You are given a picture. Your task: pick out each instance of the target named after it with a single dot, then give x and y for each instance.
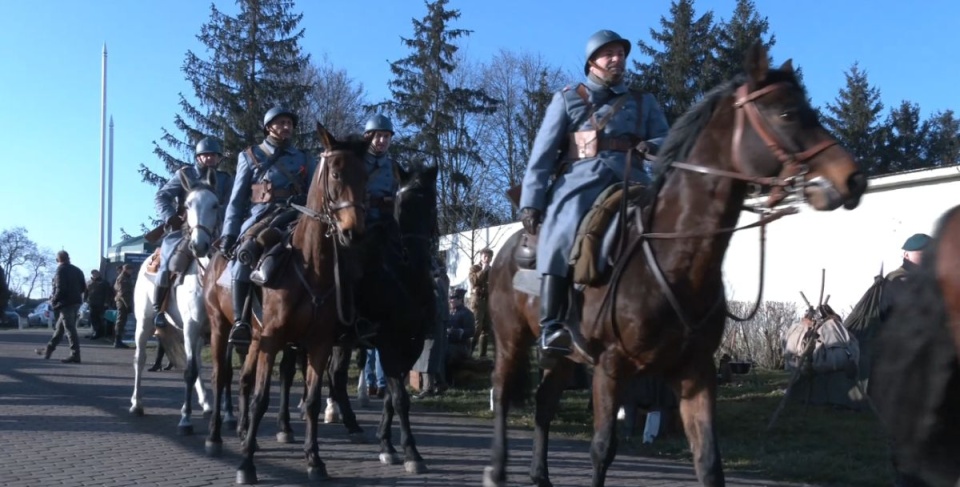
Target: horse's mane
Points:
(684, 132)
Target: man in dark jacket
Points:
(68, 289)
(97, 297)
(895, 283)
(460, 330)
(123, 294)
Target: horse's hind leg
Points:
(388, 454)
(288, 368)
(412, 461)
(247, 375)
(548, 401)
(606, 394)
(265, 358)
(318, 356)
(337, 371)
(143, 333)
(220, 381)
(697, 387)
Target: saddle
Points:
(591, 255)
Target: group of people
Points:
(71, 290)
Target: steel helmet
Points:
(208, 145)
(379, 122)
(276, 112)
(600, 39)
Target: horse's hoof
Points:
(390, 459)
(136, 410)
(317, 473)
(213, 449)
(247, 477)
(185, 430)
(230, 424)
(415, 466)
(284, 437)
(358, 437)
(488, 480)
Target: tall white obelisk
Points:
(103, 146)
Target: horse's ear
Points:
(185, 181)
(326, 138)
(787, 66)
(212, 178)
(756, 63)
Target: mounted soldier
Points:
(381, 246)
(174, 256)
(269, 177)
(580, 150)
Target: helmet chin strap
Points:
(607, 78)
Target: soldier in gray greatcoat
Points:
(381, 243)
(268, 176)
(169, 203)
(583, 142)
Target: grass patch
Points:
(811, 444)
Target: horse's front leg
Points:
(191, 376)
(317, 357)
(388, 454)
(220, 381)
(144, 332)
(606, 393)
(265, 358)
(247, 374)
(339, 366)
(697, 386)
(412, 461)
(288, 368)
(548, 401)
(511, 360)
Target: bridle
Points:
(329, 207)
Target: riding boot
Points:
(118, 336)
(241, 333)
(157, 363)
(555, 339)
(159, 293)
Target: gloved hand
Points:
(530, 217)
(226, 244)
(297, 199)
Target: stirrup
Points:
(240, 334)
(556, 342)
(160, 319)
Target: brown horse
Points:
(915, 383)
(303, 307)
(663, 312)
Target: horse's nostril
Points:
(857, 183)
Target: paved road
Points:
(67, 424)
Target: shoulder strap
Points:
(294, 181)
(617, 105)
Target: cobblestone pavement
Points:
(68, 424)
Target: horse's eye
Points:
(788, 115)
(335, 176)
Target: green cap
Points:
(917, 241)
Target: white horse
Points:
(185, 308)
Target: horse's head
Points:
(777, 133)
(416, 201)
(203, 210)
(339, 186)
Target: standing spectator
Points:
(68, 288)
(459, 330)
(431, 364)
(4, 290)
(123, 292)
(479, 279)
(97, 295)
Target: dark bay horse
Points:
(304, 306)
(662, 308)
(915, 383)
(400, 338)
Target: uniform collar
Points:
(617, 89)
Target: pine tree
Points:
(854, 119)
(435, 114)
(905, 139)
(735, 36)
(943, 139)
(675, 74)
(255, 62)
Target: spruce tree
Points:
(254, 62)
(904, 139)
(943, 139)
(675, 73)
(432, 110)
(735, 36)
(854, 118)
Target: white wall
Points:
(850, 245)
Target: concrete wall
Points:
(850, 245)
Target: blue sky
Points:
(51, 63)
